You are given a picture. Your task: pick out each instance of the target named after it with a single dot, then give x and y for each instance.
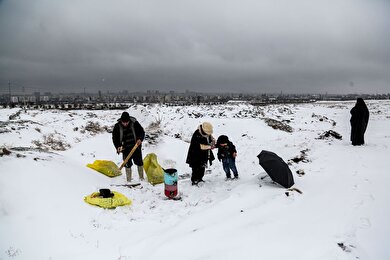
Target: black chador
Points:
(359, 122)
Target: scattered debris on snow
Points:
(329, 134)
(275, 124)
(4, 151)
(345, 248)
(324, 119)
(300, 158)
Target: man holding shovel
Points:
(126, 134)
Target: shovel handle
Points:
(128, 157)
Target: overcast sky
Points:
(299, 46)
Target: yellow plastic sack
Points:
(108, 203)
(108, 168)
(153, 170)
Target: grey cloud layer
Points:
(270, 46)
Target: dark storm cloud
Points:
(267, 46)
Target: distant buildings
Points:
(115, 99)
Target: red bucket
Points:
(170, 191)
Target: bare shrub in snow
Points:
(91, 115)
(94, 128)
(3, 128)
(153, 131)
(252, 112)
(16, 125)
(285, 110)
(195, 115)
(13, 252)
(51, 142)
(153, 136)
(156, 123)
(14, 116)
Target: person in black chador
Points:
(227, 153)
(126, 133)
(200, 152)
(359, 121)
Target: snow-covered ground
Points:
(342, 213)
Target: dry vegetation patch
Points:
(51, 142)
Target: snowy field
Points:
(342, 213)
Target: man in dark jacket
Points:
(359, 121)
(199, 152)
(126, 133)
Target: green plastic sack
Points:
(108, 203)
(108, 168)
(153, 170)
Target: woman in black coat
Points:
(359, 121)
(199, 152)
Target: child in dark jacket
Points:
(227, 153)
